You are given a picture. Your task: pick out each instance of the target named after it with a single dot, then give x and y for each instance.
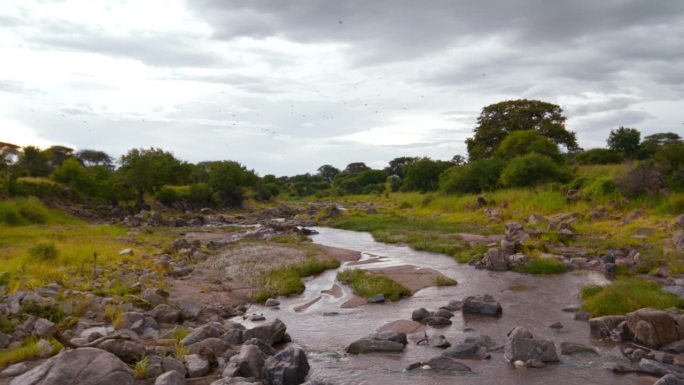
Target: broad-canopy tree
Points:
(227, 180)
(423, 175)
(652, 143)
(524, 142)
(397, 165)
(356, 167)
(94, 158)
(146, 170)
(56, 155)
(34, 162)
(328, 172)
(498, 120)
(625, 140)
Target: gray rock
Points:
(45, 348)
(216, 345)
(199, 256)
(289, 367)
(659, 369)
(582, 315)
(568, 348)
(235, 381)
(83, 366)
(670, 379)
(380, 298)
(264, 346)
(389, 341)
(439, 342)
(446, 364)
(4, 340)
(469, 350)
(154, 296)
(436, 321)
(196, 365)
(272, 302)
(674, 289)
(126, 252)
(128, 351)
(483, 305)
(523, 346)
(189, 309)
(210, 330)
(14, 370)
(170, 363)
(454, 305)
(556, 325)
(233, 336)
(420, 314)
(170, 378)
(44, 328)
(271, 332)
(164, 313)
(601, 327)
(443, 313)
(653, 327)
(249, 363)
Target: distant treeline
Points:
(516, 143)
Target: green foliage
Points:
(328, 172)
(599, 156)
(25, 211)
(141, 368)
(541, 266)
(397, 166)
(367, 284)
(473, 177)
(498, 120)
(625, 295)
(652, 143)
(643, 179)
(29, 350)
(445, 281)
(625, 140)
(362, 182)
(149, 169)
(43, 251)
(227, 180)
(520, 143)
(33, 162)
(35, 187)
(356, 167)
(50, 312)
(288, 280)
(533, 169)
(166, 195)
(423, 175)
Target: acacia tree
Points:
(356, 167)
(625, 140)
(94, 158)
(498, 120)
(227, 180)
(146, 170)
(397, 165)
(328, 172)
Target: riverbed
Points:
(532, 301)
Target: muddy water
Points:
(534, 302)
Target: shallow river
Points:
(534, 302)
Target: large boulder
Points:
(388, 342)
(483, 305)
(171, 377)
(164, 314)
(270, 332)
(496, 259)
(442, 363)
(128, 351)
(84, 366)
(670, 379)
(653, 327)
(196, 365)
(289, 367)
(249, 363)
(470, 349)
(523, 346)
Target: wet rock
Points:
(454, 305)
(556, 325)
(14, 370)
(659, 369)
(127, 351)
(170, 378)
(482, 305)
(380, 298)
(289, 367)
(670, 379)
(164, 314)
(653, 327)
(420, 314)
(249, 363)
(210, 330)
(443, 313)
(601, 327)
(380, 342)
(582, 315)
(523, 346)
(233, 336)
(467, 350)
(272, 332)
(496, 260)
(84, 366)
(436, 321)
(272, 302)
(439, 342)
(196, 365)
(569, 348)
(442, 363)
(674, 347)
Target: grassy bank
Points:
(288, 279)
(626, 295)
(367, 284)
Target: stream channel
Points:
(531, 301)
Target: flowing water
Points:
(534, 302)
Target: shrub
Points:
(599, 156)
(37, 187)
(43, 251)
(521, 143)
(474, 177)
(166, 195)
(643, 179)
(533, 169)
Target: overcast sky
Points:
(286, 86)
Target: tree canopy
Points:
(625, 140)
(498, 120)
(149, 169)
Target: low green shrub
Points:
(43, 251)
(367, 284)
(625, 295)
(541, 266)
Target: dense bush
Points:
(473, 177)
(599, 156)
(643, 179)
(520, 143)
(363, 182)
(533, 169)
(423, 175)
(43, 252)
(37, 187)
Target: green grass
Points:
(26, 211)
(367, 284)
(29, 350)
(626, 295)
(541, 266)
(445, 281)
(288, 279)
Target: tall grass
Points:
(26, 211)
(626, 295)
(287, 280)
